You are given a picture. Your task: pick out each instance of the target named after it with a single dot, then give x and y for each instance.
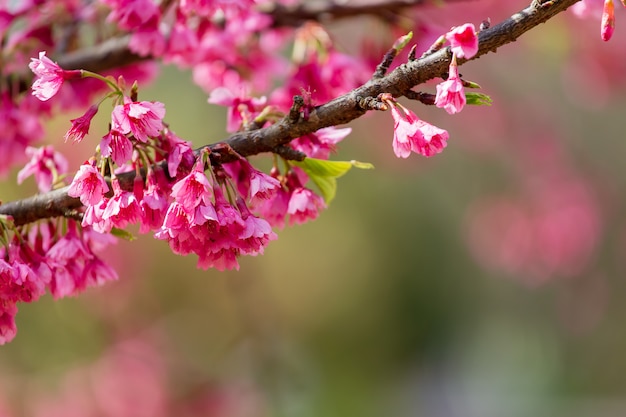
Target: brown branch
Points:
(336, 112)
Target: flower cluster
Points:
(412, 134)
(59, 257)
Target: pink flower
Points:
(241, 109)
(405, 130)
(45, 164)
(607, 26)
(251, 183)
(154, 203)
(116, 145)
(142, 119)
(80, 125)
(8, 329)
(193, 189)
(431, 140)
(451, 93)
(463, 41)
(88, 185)
(412, 134)
(304, 205)
(50, 76)
(123, 208)
(321, 143)
(180, 156)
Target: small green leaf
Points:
(325, 173)
(123, 234)
(478, 99)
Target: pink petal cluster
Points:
(45, 164)
(463, 41)
(143, 119)
(241, 109)
(414, 135)
(50, 76)
(451, 93)
(88, 185)
(203, 221)
(80, 125)
(46, 258)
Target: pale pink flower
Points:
(116, 145)
(80, 125)
(45, 164)
(88, 185)
(143, 119)
(431, 140)
(241, 109)
(463, 41)
(50, 76)
(412, 134)
(451, 93)
(405, 130)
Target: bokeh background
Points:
(487, 281)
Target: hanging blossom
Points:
(50, 76)
(410, 134)
(463, 41)
(143, 119)
(606, 11)
(43, 257)
(45, 165)
(451, 93)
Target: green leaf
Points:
(325, 173)
(478, 99)
(123, 234)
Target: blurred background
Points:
(486, 281)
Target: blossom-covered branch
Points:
(339, 111)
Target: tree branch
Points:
(336, 112)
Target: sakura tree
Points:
(289, 87)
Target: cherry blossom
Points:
(463, 41)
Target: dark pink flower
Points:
(50, 76)
(463, 41)
(321, 143)
(607, 26)
(8, 329)
(451, 93)
(123, 208)
(88, 185)
(116, 145)
(45, 164)
(142, 119)
(193, 189)
(251, 183)
(154, 203)
(304, 205)
(180, 156)
(80, 125)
